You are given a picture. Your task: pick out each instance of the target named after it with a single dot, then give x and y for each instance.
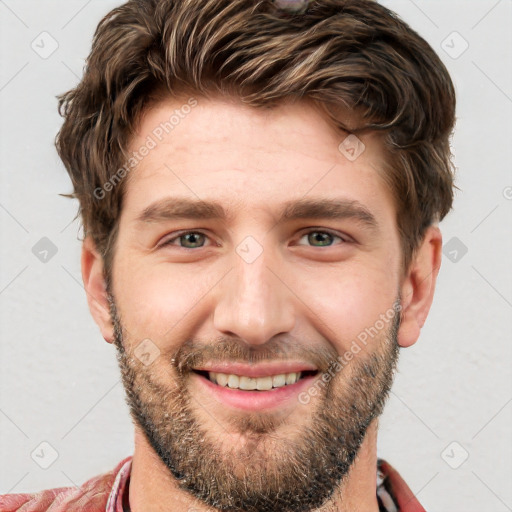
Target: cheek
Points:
(348, 301)
(159, 302)
(165, 302)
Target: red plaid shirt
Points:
(109, 493)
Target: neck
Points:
(154, 489)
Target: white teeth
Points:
(220, 378)
(279, 381)
(251, 384)
(264, 383)
(233, 381)
(291, 378)
(247, 383)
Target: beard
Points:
(258, 469)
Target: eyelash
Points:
(169, 242)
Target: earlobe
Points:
(418, 286)
(95, 288)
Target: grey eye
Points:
(320, 238)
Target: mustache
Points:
(193, 353)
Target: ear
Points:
(96, 289)
(417, 290)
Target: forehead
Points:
(249, 159)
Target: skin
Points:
(298, 295)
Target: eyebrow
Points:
(313, 208)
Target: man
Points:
(260, 186)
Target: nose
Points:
(254, 302)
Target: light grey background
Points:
(59, 381)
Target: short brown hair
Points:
(353, 54)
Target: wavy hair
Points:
(353, 54)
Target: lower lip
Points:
(255, 400)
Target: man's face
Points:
(268, 294)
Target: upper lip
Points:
(257, 369)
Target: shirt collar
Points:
(115, 499)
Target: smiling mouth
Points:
(244, 383)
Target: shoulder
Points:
(92, 496)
